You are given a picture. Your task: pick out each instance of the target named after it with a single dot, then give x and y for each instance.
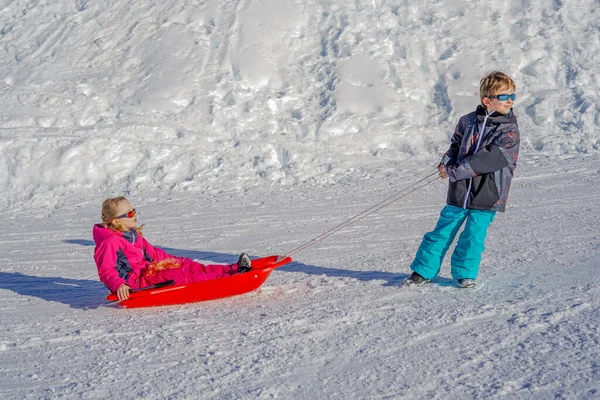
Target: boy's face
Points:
(503, 107)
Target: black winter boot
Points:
(244, 263)
(415, 280)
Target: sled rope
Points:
(382, 204)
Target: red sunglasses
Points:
(128, 214)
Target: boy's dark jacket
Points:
(480, 169)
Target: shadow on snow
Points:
(76, 293)
(86, 294)
(392, 279)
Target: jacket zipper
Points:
(476, 150)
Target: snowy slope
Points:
(194, 96)
(333, 324)
(258, 125)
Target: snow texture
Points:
(257, 125)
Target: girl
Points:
(126, 260)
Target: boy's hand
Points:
(443, 172)
(123, 292)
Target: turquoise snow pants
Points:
(467, 254)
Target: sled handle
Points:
(158, 285)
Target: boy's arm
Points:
(493, 157)
(450, 157)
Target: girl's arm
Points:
(106, 257)
(155, 253)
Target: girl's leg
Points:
(467, 254)
(199, 272)
(435, 244)
(192, 271)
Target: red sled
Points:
(164, 295)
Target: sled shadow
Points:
(391, 278)
(76, 293)
(208, 256)
(213, 257)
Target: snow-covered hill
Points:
(258, 125)
(150, 96)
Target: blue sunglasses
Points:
(504, 97)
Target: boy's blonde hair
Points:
(494, 81)
(109, 215)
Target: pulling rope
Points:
(382, 204)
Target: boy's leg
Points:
(435, 244)
(467, 254)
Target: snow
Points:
(259, 125)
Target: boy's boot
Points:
(467, 283)
(244, 263)
(415, 280)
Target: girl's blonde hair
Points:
(494, 81)
(109, 215)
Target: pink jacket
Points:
(122, 257)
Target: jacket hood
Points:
(101, 233)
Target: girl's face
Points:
(123, 208)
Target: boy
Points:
(480, 164)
